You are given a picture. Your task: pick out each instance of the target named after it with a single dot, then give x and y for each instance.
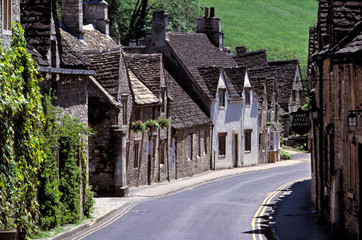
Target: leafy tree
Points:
(132, 18)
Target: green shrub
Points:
(284, 155)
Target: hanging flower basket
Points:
(138, 126)
(152, 126)
(163, 122)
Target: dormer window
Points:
(247, 96)
(6, 16)
(222, 97)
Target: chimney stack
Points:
(206, 12)
(72, 16)
(96, 13)
(240, 50)
(159, 28)
(211, 26)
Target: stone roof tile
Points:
(194, 50)
(142, 95)
(148, 68)
(185, 113)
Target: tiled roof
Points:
(142, 95)
(107, 66)
(237, 76)
(35, 19)
(185, 113)
(352, 42)
(137, 49)
(284, 77)
(194, 50)
(148, 68)
(92, 40)
(210, 76)
(254, 59)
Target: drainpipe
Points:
(212, 152)
(120, 174)
(321, 198)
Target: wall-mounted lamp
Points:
(352, 118)
(315, 113)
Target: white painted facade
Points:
(227, 121)
(250, 123)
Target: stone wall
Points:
(101, 151)
(6, 37)
(186, 167)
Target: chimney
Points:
(159, 28)
(132, 43)
(118, 39)
(240, 50)
(211, 26)
(96, 13)
(72, 16)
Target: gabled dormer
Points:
(222, 94)
(247, 90)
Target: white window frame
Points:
(6, 8)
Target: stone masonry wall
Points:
(197, 164)
(6, 38)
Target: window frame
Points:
(247, 144)
(247, 96)
(6, 17)
(222, 97)
(222, 144)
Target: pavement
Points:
(105, 206)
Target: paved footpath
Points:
(104, 206)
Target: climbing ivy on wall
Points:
(43, 166)
(21, 119)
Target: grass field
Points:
(279, 26)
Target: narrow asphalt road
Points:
(220, 210)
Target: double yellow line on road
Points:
(255, 223)
(106, 223)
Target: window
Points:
(190, 146)
(6, 14)
(222, 144)
(222, 97)
(137, 113)
(124, 110)
(205, 141)
(127, 154)
(247, 96)
(136, 148)
(248, 140)
(198, 144)
(163, 152)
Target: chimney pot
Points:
(118, 39)
(240, 50)
(212, 12)
(206, 12)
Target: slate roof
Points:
(352, 43)
(259, 77)
(107, 66)
(254, 59)
(142, 94)
(210, 76)
(284, 77)
(148, 68)
(137, 49)
(92, 40)
(185, 113)
(194, 50)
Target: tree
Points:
(132, 18)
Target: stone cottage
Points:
(199, 64)
(335, 74)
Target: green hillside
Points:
(279, 26)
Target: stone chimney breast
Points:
(72, 16)
(96, 13)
